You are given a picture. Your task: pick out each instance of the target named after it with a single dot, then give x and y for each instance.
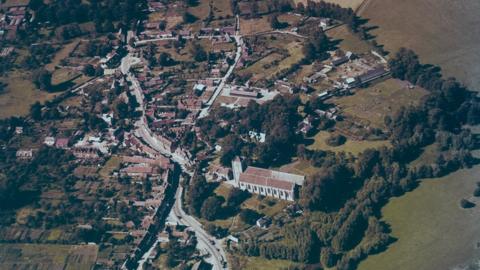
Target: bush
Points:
(464, 203)
(476, 193)
(336, 140)
(249, 216)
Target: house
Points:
(325, 23)
(86, 153)
(243, 92)
(373, 74)
(258, 136)
(266, 182)
(350, 83)
(62, 143)
(23, 154)
(199, 87)
(50, 141)
(139, 171)
(263, 222)
(19, 130)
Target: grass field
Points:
(47, 257)
(62, 54)
(258, 263)
(432, 231)
(351, 146)
(20, 94)
(64, 75)
(442, 32)
(373, 103)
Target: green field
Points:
(350, 146)
(258, 263)
(20, 94)
(47, 257)
(432, 231)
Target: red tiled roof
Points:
(269, 178)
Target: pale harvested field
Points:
(253, 26)
(442, 32)
(348, 40)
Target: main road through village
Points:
(206, 243)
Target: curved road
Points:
(208, 243)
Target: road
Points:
(205, 241)
(239, 41)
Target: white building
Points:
(266, 182)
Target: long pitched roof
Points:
(270, 178)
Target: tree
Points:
(249, 216)
(89, 70)
(211, 208)
(274, 23)
(317, 46)
(36, 111)
(464, 203)
(198, 52)
(189, 18)
(165, 59)
(42, 78)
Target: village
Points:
(131, 124)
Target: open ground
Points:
(442, 32)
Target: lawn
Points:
(373, 103)
(433, 232)
(47, 257)
(350, 146)
(20, 94)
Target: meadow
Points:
(432, 231)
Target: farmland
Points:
(51, 257)
(432, 231)
(442, 32)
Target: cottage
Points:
(263, 222)
(62, 143)
(199, 87)
(23, 154)
(50, 141)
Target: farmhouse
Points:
(24, 154)
(266, 182)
